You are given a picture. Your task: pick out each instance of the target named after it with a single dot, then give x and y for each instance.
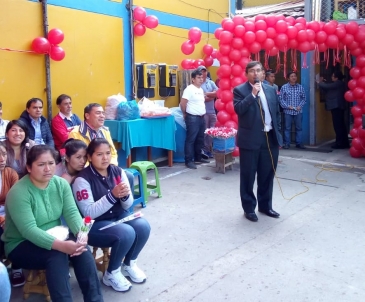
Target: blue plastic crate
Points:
(221, 145)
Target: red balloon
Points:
(150, 21)
(236, 152)
(41, 45)
(290, 20)
(360, 61)
(358, 93)
(292, 32)
(354, 132)
(302, 36)
(217, 32)
(311, 35)
(355, 153)
(360, 36)
(234, 118)
(231, 124)
(235, 55)
(358, 122)
(356, 143)
(355, 72)
(218, 124)
(55, 36)
(237, 43)
(271, 20)
(243, 62)
(199, 62)
(224, 60)
(313, 25)
(219, 105)
(293, 44)
(301, 20)
(245, 52)
(299, 26)
(268, 44)
(226, 96)
(139, 29)
(250, 26)
(187, 47)
(353, 45)
(261, 36)
(57, 53)
(237, 70)
(332, 41)
(281, 40)
(361, 133)
(340, 32)
(362, 71)
(195, 34)
(349, 96)
(255, 47)
(352, 27)
(249, 37)
(208, 61)
(239, 31)
(360, 82)
(356, 111)
(225, 20)
(329, 28)
(225, 49)
(139, 13)
(271, 33)
(237, 81)
(224, 71)
(304, 47)
(228, 25)
(321, 37)
(187, 64)
(229, 107)
(223, 117)
(281, 26)
(238, 20)
(348, 39)
(214, 54)
(260, 25)
(225, 83)
(260, 17)
(225, 37)
(208, 49)
(273, 51)
(356, 52)
(352, 84)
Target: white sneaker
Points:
(134, 272)
(117, 281)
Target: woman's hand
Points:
(69, 247)
(121, 190)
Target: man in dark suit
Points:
(259, 138)
(335, 102)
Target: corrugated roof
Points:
(293, 8)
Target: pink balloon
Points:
(187, 47)
(226, 96)
(139, 13)
(250, 26)
(237, 81)
(237, 70)
(239, 31)
(41, 45)
(229, 25)
(352, 27)
(224, 71)
(292, 32)
(237, 43)
(261, 36)
(219, 105)
(355, 72)
(199, 62)
(238, 20)
(260, 25)
(195, 34)
(231, 124)
(229, 107)
(187, 64)
(57, 53)
(281, 26)
(225, 37)
(207, 49)
(271, 33)
(217, 32)
(208, 61)
(235, 55)
(249, 37)
(55, 36)
(150, 21)
(332, 41)
(268, 44)
(255, 47)
(139, 29)
(360, 61)
(321, 37)
(223, 116)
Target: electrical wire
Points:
(203, 8)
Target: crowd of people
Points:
(54, 176)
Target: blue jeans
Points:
(30, 256)
(4, 283)
(194, 142)
(125, 239)
(298, 128)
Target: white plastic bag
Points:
(112, 103)
(149, 108)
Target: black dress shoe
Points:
(270, 213)
(251, 216)
(300, 146)
(335, 146)
(286, 146)
(190, 165)
(202, 161)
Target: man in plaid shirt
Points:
(292, 100)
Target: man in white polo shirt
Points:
(192, 105)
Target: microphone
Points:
(255, 82)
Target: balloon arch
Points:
(241, 39)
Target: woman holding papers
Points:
(102, 192)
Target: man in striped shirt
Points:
(292, 100)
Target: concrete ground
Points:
(202, 249)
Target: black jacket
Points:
(335, 94)
(250, 125)
(45, 129)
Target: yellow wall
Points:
(251, 3)
(91, 71)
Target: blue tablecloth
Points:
(156, 132)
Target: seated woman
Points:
(73, 160)
(33, 206)
(102, 192)
(17, 145)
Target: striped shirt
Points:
(292, 96)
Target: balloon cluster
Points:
(143, 21)
(357, 93)
(50, 45)
(239, 38)
(207, 61)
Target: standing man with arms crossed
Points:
(210, 117)
(258, 138)
(292, 100)
(192, 105)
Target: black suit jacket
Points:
(335, 94)
(250, 124)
